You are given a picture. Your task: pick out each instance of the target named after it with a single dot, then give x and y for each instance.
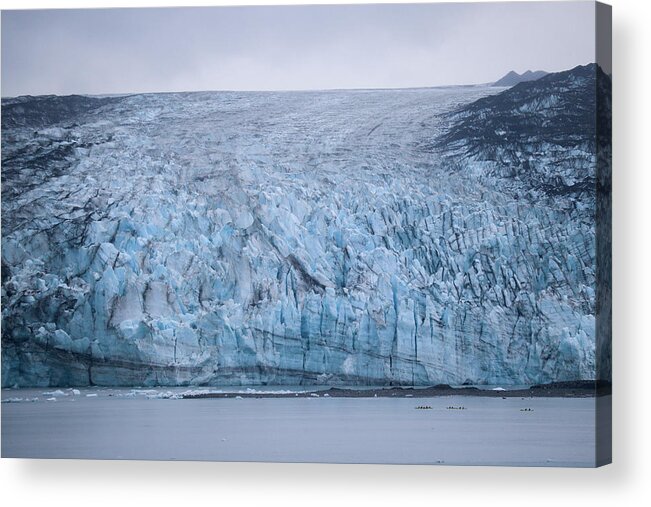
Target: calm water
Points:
(152, 424)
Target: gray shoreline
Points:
(571, 389)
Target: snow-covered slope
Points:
(282, 238)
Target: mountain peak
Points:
(513, 78)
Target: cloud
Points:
(293, 47)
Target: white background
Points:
(627, 481)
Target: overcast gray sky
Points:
(99, 51)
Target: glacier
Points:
(286, 238)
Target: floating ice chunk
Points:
(58, 392)
(12, 400)
(145, 392)
(166, 395)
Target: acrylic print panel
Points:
(357, 233)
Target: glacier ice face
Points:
(281, 238)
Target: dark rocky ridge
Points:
(541, 133)
(45, 110)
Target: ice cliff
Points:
(354, 237)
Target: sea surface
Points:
(156, 424)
